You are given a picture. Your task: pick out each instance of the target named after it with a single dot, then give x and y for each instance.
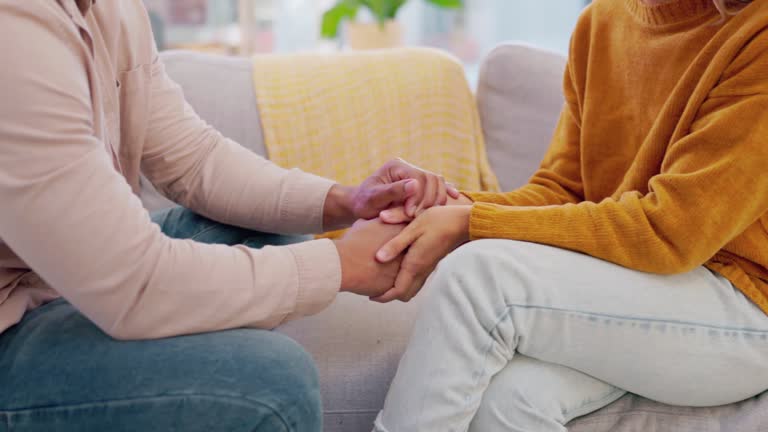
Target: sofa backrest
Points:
(519, 96)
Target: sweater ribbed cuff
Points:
(481, 222)
(319, 276)
(303, 203)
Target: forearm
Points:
(540, 191)
(195, 166)
(665, 234)
(238, 187)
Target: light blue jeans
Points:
(521, 337)
(59, 372)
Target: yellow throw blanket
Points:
(342, 116)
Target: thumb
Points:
(394, 193)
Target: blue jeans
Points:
(59, 372)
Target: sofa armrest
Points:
(519, 97)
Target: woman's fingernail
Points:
(382, 255)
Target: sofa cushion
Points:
(519, 96)
(357, 345)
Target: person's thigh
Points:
(181, 223)
(687, 339)
(59, 372)
(533, 395)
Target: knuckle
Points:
(412, 266)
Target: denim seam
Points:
(630, 318)
(203, 232)
(640, 411)
(8, 413)
(481, 371)
(506, 314)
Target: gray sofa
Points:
(356, 343)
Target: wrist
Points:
(338, 211)
(465, 212)
(461, 200)
(346, 274)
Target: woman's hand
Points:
(428, 239)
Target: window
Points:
(257, 26)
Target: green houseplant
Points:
(384, 11)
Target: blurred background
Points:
(247, 27)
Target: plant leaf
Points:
(448, 4)
(378, 9)
(393, 7)
(332, 18)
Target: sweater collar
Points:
(670, 11)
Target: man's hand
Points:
(428, 239)
(397, 183)
(360, 272)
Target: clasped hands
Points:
(408, 219)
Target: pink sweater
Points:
(85, 102)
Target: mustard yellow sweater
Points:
(659, 162)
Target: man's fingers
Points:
(397, 245)
(395, 216)
(393, 193)
(453, 192)
(415, 196)
(430, 194)
(442, 193)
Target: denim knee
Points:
(259, 381)
(237, 380)
(274, 371)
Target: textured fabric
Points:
(341, 117)
(584, 343)
(231, 381)
(658, 159)
(356, 344)
(86, 103)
